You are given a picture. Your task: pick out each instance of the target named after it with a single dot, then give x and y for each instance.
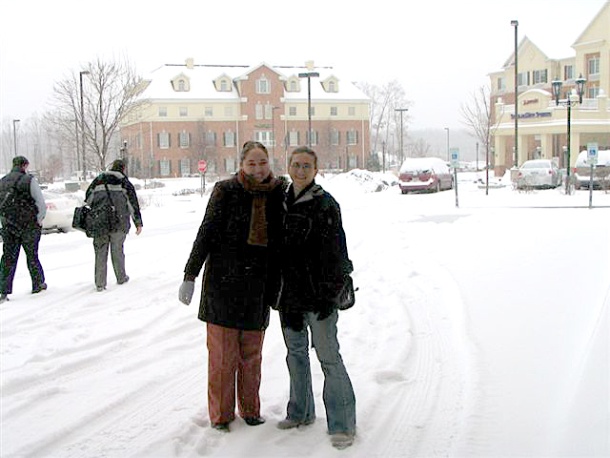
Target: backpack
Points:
(8, 198)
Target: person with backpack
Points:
(22, 209)
(113, 201)
(315, 270)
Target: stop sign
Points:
(202, 166)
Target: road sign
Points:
(202, 166)
(455, 157)
(592, 155)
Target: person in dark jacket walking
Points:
(313, 272)
(237, 240)
(113, 188)
(21, 226)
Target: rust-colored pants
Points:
(233, 352)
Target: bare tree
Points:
(110, 91)
(477, 116)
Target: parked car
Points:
(424, 174)
(538, 173)
(60, 210)
(601, 171)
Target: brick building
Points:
(206, 112)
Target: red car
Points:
(424, 174)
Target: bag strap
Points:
(108, 193)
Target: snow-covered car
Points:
(424, 174)
(538, 173)
(60, 211)
(601, 171)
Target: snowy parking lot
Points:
(478, 331)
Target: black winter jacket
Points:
(23, 216)
(122, 196)
(315, 258)
(240, 281)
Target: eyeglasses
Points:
(297, 166)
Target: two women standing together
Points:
(266, 246)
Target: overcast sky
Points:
(439, 50)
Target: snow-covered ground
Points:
(480, 330)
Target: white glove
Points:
(185, 294)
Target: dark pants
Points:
(114, 241)
(12, 243)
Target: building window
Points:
(258, 111)
(593, 66)
(540, 76)
(592, 92)
(184, 138)
(293, 86)
(333, 111)
(312, 111)
(230, 165)
(292, 111)
(501, 84)
(523, 79)
(210, 138)
(264, 137)
(181, 86)
(162, 112)
(568, 72)
(332, 87)
(293, 138)
(263, 86)
(184, 111)
(165, 167)
(163, 140)
(229, 138)
(224, 86)
(351, 111)
(185, 166)
(352, 137)
(208, 112)
(314, 137)
(334, 137)
(268, 111)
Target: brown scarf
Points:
(258, 220)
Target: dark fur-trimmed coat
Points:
(240, 281)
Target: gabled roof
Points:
(602, 16)
(521, 48)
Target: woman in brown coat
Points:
(237, 241)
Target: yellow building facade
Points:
(542, 124)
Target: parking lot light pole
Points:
(15, 121)
(515, 24)
(401, 110)
(571, 99)
(309, 75)
(82, 124)
(448, 154)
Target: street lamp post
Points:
(515, 24)
(571, 99)
(82, 123)
(401, 110)
(309, 75)
(448, 154)
(15, 121)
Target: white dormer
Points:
(181, 83)
(331, 84)
(223, 83)
(293, 84)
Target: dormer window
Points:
(331, 87)
(181, 83)
(331, 84)
(181, 86)
(263, 85)
(223, 86)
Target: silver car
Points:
(538, 173)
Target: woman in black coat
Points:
(237, 241)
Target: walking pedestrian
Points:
(237, 240)
(112, 190)
(23, 209)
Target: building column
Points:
(546, 146)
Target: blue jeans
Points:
(338, 394)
